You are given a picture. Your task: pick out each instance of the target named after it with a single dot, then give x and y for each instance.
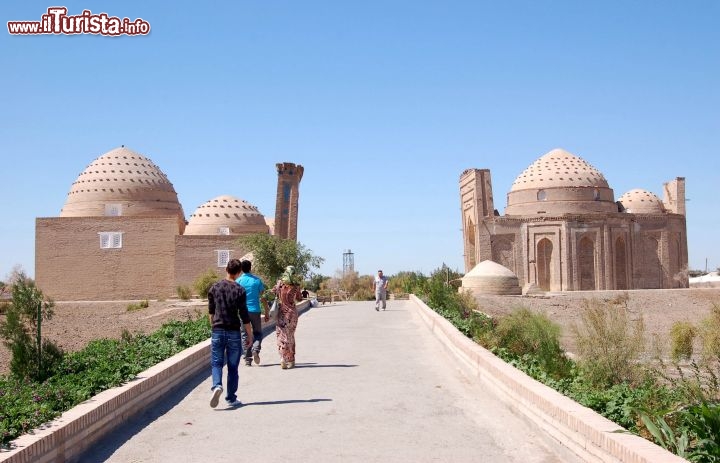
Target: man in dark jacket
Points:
(227, 311)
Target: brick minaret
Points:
(286, 202)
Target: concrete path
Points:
(368, 386)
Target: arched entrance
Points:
(586, 264)
(544, 263)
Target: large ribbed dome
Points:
(226, 215)
(560, 183)
(122, 182)
(558, 168)
(639, 201)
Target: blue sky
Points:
(385, 103)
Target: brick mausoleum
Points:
(122, 232)
(563, 230)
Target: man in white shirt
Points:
(380, 286)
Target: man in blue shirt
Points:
(254, 288)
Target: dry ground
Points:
(660, 308)
(76, 323)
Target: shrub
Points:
(204, 282)
(363, 294)
(526, 332)
(609, 343)
(32, 357)
(682, 335)
(144, 304)
(184, 292)
(4, 307)
(710, 334)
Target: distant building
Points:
(122, 232)
(563, 230)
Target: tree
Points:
(32, 357)
(271, 254)
(314, 281)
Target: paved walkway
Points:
(368, 387)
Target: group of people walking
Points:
(234, 306)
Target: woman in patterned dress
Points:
(288, 290)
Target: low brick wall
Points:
(75, 431)
(583, 431)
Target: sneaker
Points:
(248, 362)
(256, 357)
(216, 393)
(377, 308)
(291, 365)
(283, 365)
(234, 404)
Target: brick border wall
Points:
(583, 431)
(75, 431)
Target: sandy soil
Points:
(77, 323)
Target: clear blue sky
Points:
(385, 103)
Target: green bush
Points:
(682, 335)
(609, 343)
(102, 364)
(33, 357)
(204, 282)
(526, 332)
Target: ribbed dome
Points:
(226, 215)
(560, 183)
(558, 168)
(640, 201)
(122, 182)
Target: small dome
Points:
(122, 182)
(560, 183)
(489, 277)
(226, 215)
(639, 201)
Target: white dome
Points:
(489, 277)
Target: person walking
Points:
(227, 310)
(380, 284)
(288, 292)
(254, 288)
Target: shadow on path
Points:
(308, 365)
(104, 449)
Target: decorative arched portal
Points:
(620, 261)
(586, 264)
(543, 260)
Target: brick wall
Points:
(70, 265)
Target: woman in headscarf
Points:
(288, 292)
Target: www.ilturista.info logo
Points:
(57, 21)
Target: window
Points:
(223, 230)
(223, 257)
(113, 210)
(541, 195)
(110, 240)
